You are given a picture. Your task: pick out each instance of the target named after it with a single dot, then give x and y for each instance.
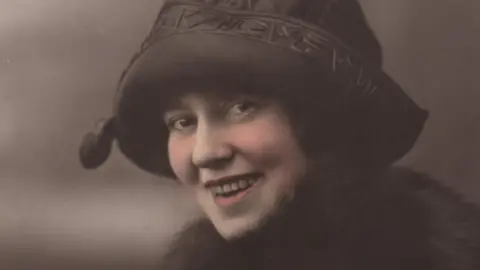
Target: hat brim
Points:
(197, 60)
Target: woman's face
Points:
(239, 156)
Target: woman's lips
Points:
(231, 200)
(233, 192)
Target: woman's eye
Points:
(243, 108)
(181, 123)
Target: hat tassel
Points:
(96, 146)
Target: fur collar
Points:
(395, 219)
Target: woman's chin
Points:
(231, 227)
(237, 227)
(246, 212)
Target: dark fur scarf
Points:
(392, 220)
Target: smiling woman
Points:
(279, 119)
(239, 156)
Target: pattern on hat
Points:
(343, 18)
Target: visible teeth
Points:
(243, 183)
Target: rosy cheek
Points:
(261, 136)
(179, 157)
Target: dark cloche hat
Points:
(284, 45)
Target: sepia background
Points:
(59, 64)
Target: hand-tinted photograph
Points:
(239, 134)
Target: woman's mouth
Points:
(232, 190)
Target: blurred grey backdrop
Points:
(59, 65)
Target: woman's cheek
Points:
(179, 154)
(262, 136)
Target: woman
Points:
(278, 117)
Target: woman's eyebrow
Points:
(172, 113)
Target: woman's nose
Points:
(211, 149)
